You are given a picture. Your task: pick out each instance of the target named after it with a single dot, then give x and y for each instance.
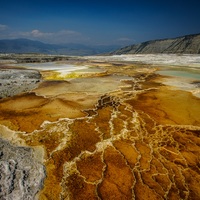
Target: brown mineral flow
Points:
(138, 142)
(116, 166)
(169, 106)
(27, 112)
(126, 165)
(91, 166)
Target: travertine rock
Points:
(16, 81)
(21, 175)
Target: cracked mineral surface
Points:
(122, 134)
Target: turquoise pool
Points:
(181, 72)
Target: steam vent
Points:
(113, 130)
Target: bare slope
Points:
(189, 44)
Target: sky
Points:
(98, 22)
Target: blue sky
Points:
(121, 22)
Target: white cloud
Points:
(63, 36)
(34, 34)
(39, 34)
(3, 27)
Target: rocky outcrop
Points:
(31, 58)
(16, 81)
(21, 175)
(189, 44)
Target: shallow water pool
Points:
(181, 72)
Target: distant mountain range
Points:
(189, 44)
(31, 46)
